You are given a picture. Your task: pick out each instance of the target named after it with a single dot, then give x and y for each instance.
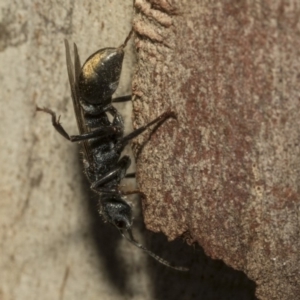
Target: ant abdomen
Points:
(100, 75)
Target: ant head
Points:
(117, 211)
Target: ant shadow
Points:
(207, 278)
(107, 242)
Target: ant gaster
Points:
(102, 140)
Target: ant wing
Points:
(73, 85)
(75, 97)
(76, 62)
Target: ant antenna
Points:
(127, 39)
(131, 240)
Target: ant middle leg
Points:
(160, 119)
(117, 173)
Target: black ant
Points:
(102, 140)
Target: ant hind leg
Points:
(55, 122)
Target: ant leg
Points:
(118, 119)
(130, 175)
(116, 129)
(117, 173)
(132, 192)
(122, 99)
(55, 122)
(162, 118)
(102, 131)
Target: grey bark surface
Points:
(227, 173)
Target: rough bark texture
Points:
(228, 171)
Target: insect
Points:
(102, 140)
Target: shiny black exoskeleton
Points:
(102, 140)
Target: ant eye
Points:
(121, 224)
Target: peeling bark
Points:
(227, 172)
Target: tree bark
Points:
(227, 171)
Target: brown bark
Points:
(228, 171)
